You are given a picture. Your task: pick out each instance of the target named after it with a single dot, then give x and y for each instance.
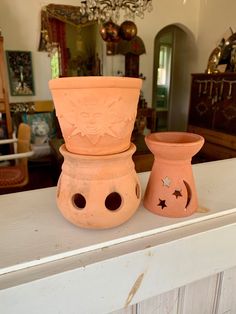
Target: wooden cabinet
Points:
(4, 102)
(212, 113)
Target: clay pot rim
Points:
(127, 152)
(174, 138)
(95, 82)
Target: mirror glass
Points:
(84, 49)
(74, 43)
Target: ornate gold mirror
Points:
(72, 41)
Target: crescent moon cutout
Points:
(189, 193)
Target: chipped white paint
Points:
(134, 289)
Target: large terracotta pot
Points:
(96, 114)
(98, 191)
(171, 189)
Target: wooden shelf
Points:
(46, 261)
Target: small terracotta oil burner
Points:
(96, 113)
(98, 191)
(171, 189)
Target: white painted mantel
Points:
(148, 265)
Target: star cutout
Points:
(177, 193)
(166, 182)
(162, 203)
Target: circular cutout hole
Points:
(79, 201)
(113, 201)
(137, 190)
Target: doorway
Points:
(171, 77)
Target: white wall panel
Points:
(227, 300)
(166, 303)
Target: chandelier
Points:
(104, 10)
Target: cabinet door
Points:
(225, 116)
(202, 108)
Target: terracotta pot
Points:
(98, 192)
(171, 189)
(96, 114)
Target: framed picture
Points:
(20, 73)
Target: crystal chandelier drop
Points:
(104, 10)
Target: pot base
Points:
(98, 192)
